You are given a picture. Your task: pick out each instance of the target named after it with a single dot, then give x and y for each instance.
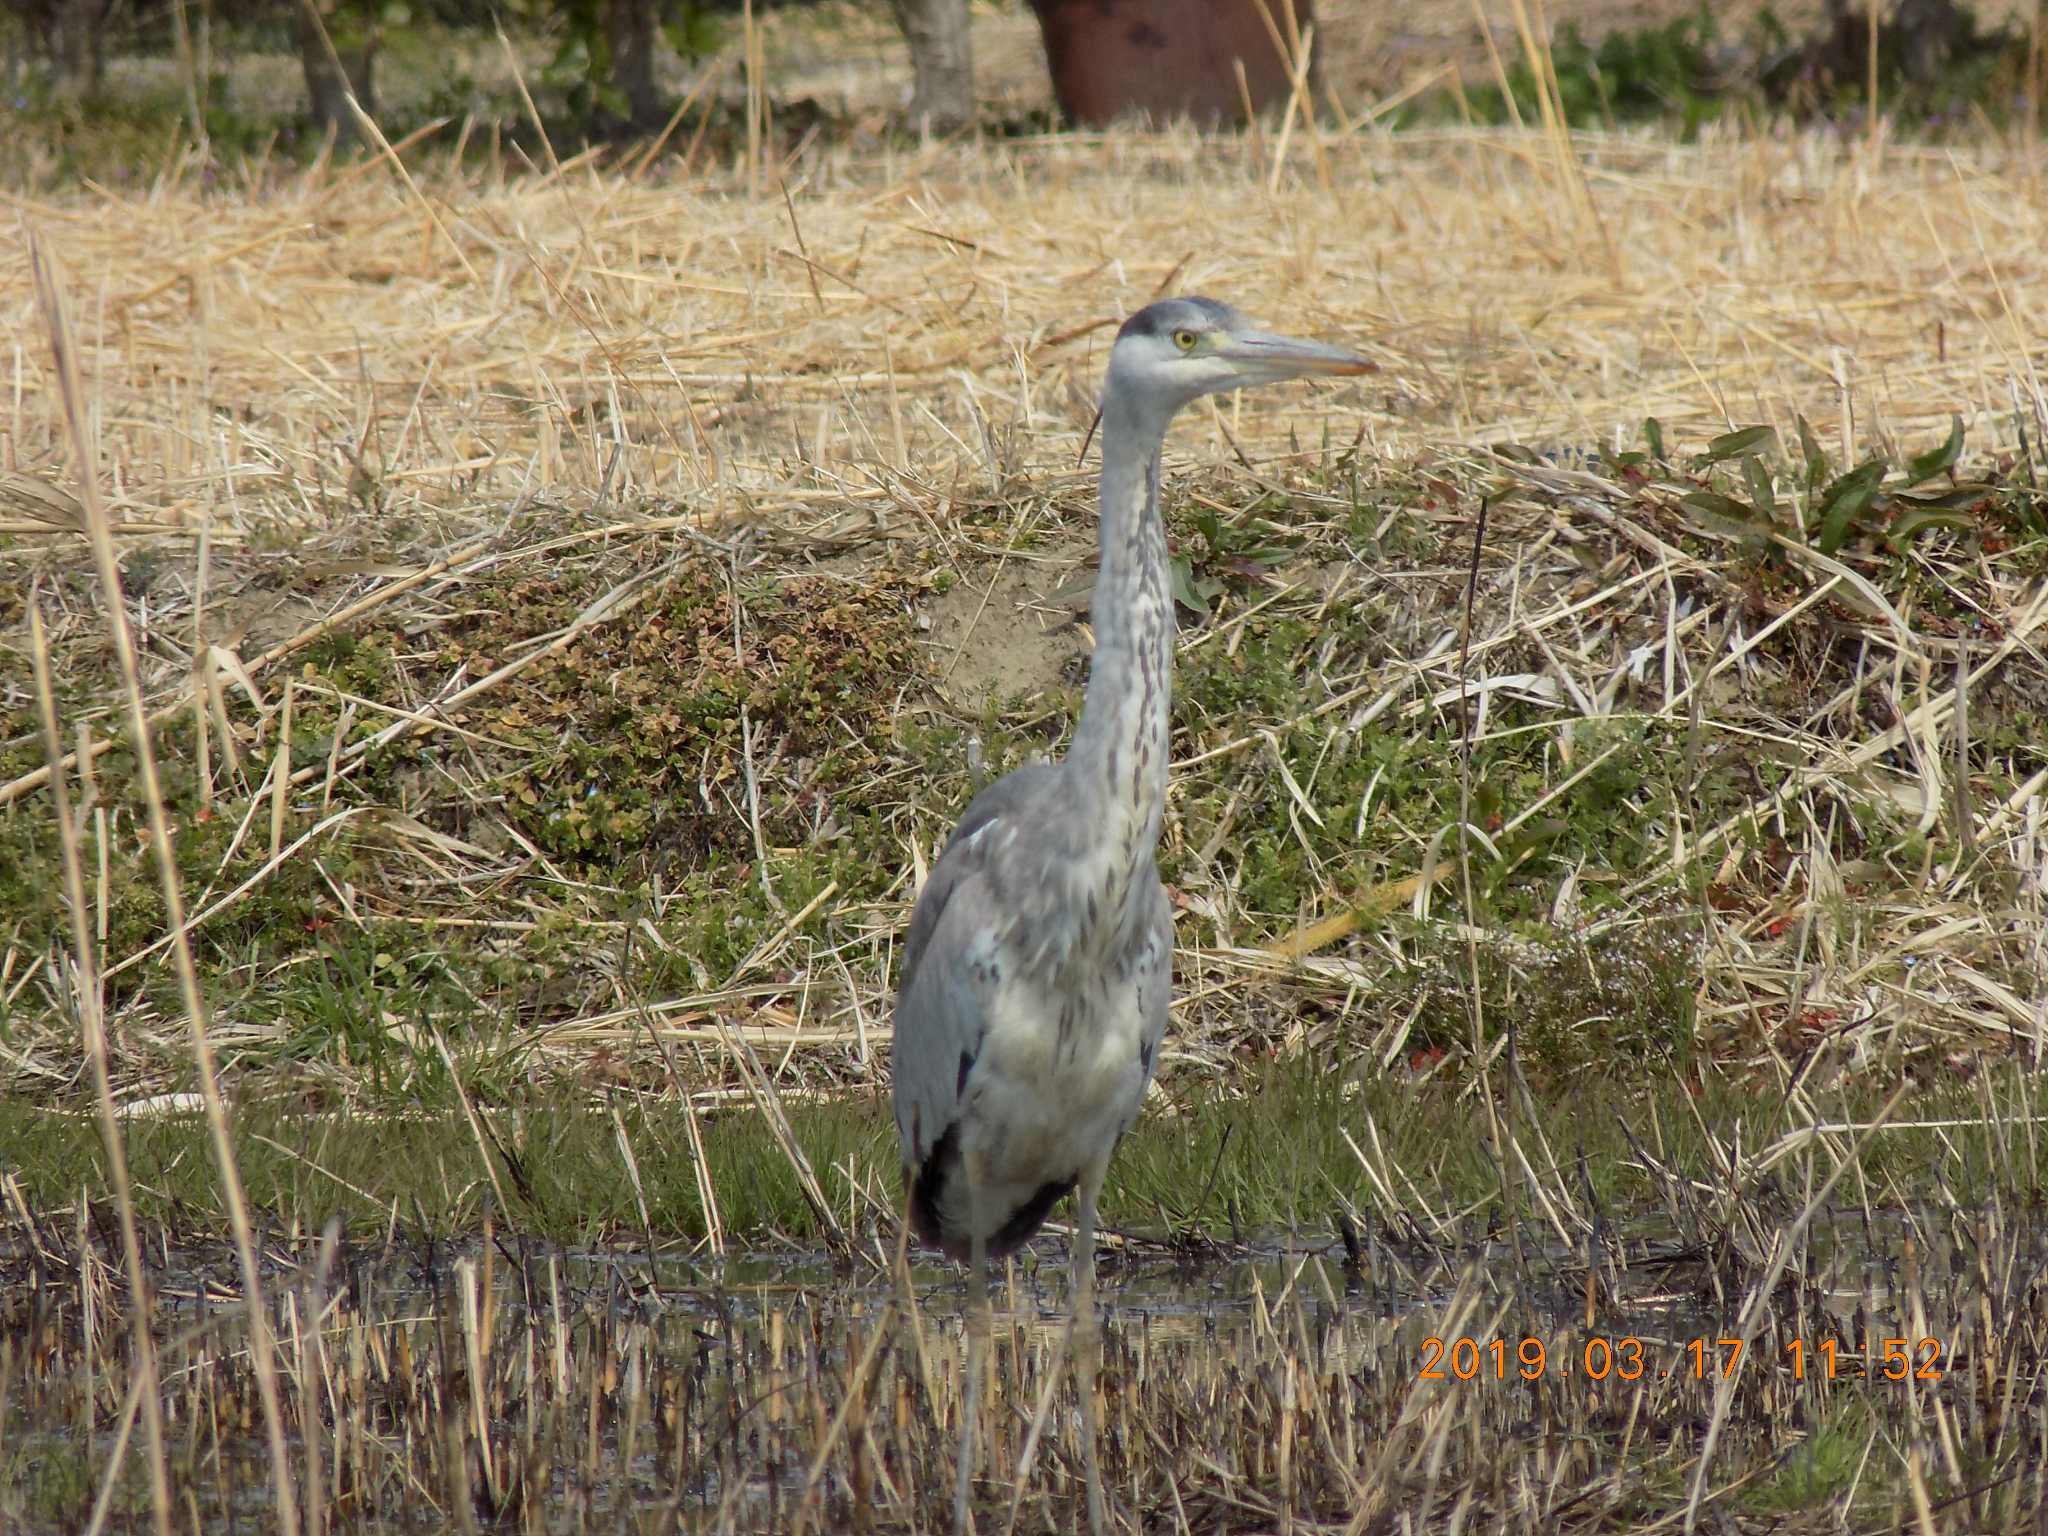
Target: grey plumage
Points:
(1029, 922)
(1038, 966)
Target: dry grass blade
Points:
(86, 989)
(478, 1134)
(49, 294)
(382, 596)
(769, 1101)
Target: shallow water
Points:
(509, 1384)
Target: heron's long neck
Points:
(1121, 742)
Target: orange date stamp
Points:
(1600, 1357)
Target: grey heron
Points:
(1040, 953)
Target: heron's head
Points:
(1177, 350)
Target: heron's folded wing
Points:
(951, 956)
(942, 1014)
(971, 852)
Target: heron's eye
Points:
(1184, 339)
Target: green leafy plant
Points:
(1231, 552)
(1934, 67)
(1740, 473)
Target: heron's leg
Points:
(979, 1326)
(1088, 1339)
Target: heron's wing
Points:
(969, 853)
(941, 1016)
(949, 977)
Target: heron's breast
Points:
(1056, 1070)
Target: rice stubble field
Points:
(570, 604)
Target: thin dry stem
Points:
(49, 294)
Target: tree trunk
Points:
(334, 68)
(942, 57)
(97, 64)
(630, 29)
(70, 29)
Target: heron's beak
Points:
(1284, 357)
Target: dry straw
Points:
(350, 345)
(1303, 1398)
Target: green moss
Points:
(1613, 1005)
(643, 732)
(53, 1481)
(213, 854)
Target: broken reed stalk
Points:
(1497, 1118)
(707, 1187)
(756, 85)
(50, 298)
(482, 1138)
(92, 1019)
(849, 1403)
(540, 127)
(2033, 94)
(1296, 48)
(375, 137)
(769, 1101)
(1199, 1409)
(1497, 64)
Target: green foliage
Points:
(1666, 71)
(1261, 1152)
(1822, 1467)
(1687, 72)
(114, 135)
(361, 27)
(640, 735)
(581, 69)
(1845, 500)
(1616, 1005)
(1744, 442)
(1925, 466)
(1233, 554)
(46, 1477)
(209, 855)
(557, 1161)
(1744, 485)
